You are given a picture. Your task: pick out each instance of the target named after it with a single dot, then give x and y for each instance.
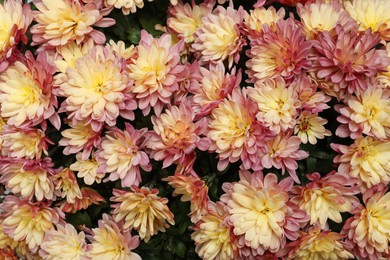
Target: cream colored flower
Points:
(87, 169)
(310, 127)
(142, 210)
(260, 16)
(127, 6)
(66, 185)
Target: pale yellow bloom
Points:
(87, 169)
(64, 243)
(310, 127)
(383, 78)
(372, 14)
(66, 185)
(260, 16)
(127, 6)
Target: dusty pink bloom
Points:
(108, 241)
(66, 185)
(26, 92)
(214, 238)
(261, 213)
(214, 86)
(141, 209)
(185, 18)
(348, 59)
(97, 90)
(176, 135)
(62, 21)
(368, 231)
(367, 160)
(120, 155)
(154, 70)
(29, 221)
(236, 134)
(325, 198)
(192, 189)
(89, 197)
(80, 137)
(219, 37)
(366, 113)
(25, 142)
(278, 53)
(15, 19)
(28, 178)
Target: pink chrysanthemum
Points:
(325, 198)
(97, 90)
(14, 21)
(192, 189)
(214, 238)
(176, 135)
(366, 113)
(235, 133)
(62, 21)
(154, 70)
(260, 212)
(278, 53)
(29, 178)
(26, 92)
(367, 159)
(28, 221)
(120, 155)
(108, 241)
(66, 185)
(25, 142)
(368, 231)
(219, 37)
(64, 242)
(348, 59)
(317, 244)
(184, 19)
(282, 152)
(89, 197)
(141, 209)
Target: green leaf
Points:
(320, 155)
(179, 248)
(311, 164)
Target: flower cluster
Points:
(244, 131)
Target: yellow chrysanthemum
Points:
(66, 185)
(310, 127)
(383, 78)
(87, 169)
(372, 14)
(260, 16)
(63, 243)
(142, 210)
(320, 245)
(127, 6)
(21, 98)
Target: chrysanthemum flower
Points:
(277, 104)
(260, 211)
(310, 127)
(215, 85)
(367, 112)
(192, 189)
(6, 242)
(120, 49)
(63, 243)
(126, 6)
(87, 169)
(322, 16)
(26, 92)
(24, 142)
(141, 209)
(176, 136)
(15, 18)
(213, 238)
(109, 242)
(383, 78)
(325, 198)
(97, 90)
(347, 59)
(371, 14)
(366, 159)
(317, 244)
(235, 133)
(120, 155)
(66, 185)
(368, 231)
(282, 152)
(282, 52)
(154, 70)
(89, 197)
(219, 37)
(29, 221)
(184, 19)
(29, 178)
(61, 22)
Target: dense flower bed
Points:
(195, 129)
